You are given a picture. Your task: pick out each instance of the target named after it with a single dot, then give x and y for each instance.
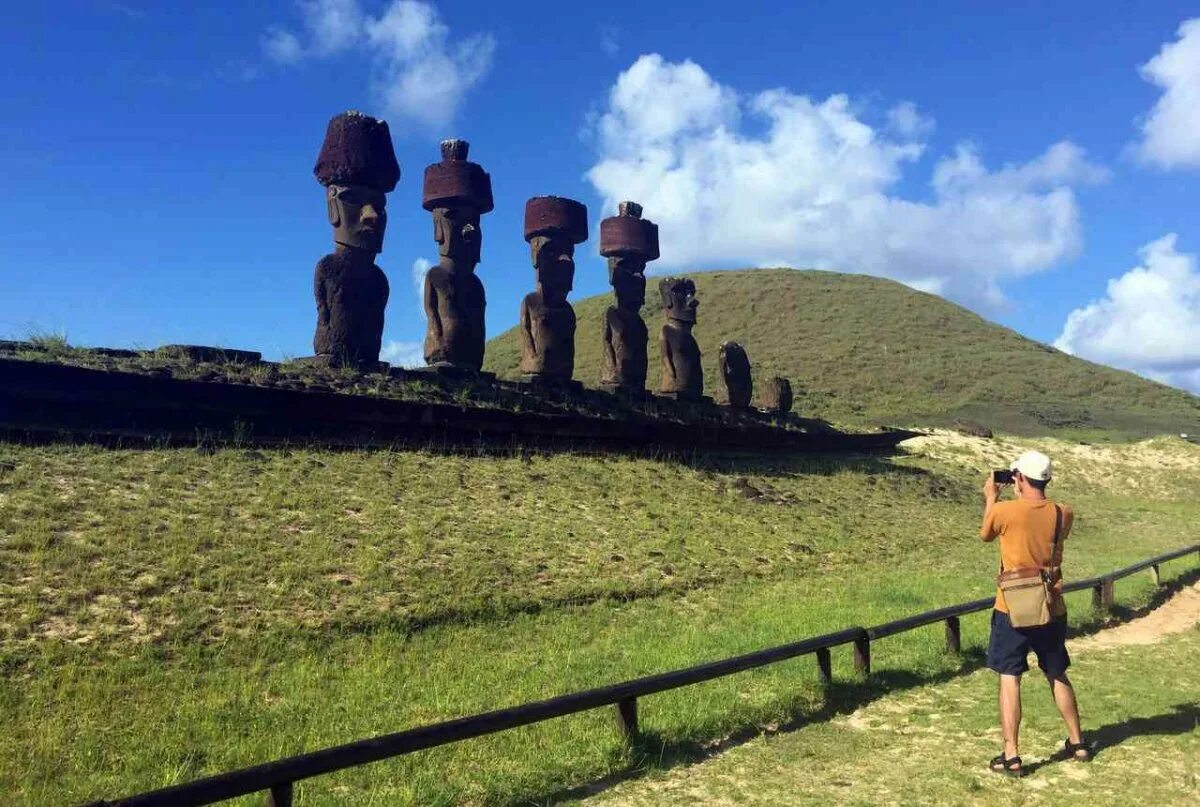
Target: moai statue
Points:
(735, 375)
(457, 192)
(629, 242)
(553, 226)
(777, 399)
(357, 166)
(682, 375)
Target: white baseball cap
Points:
(1034, 465)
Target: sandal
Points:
(1009, 766)
(1071, 750)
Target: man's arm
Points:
(991, 494)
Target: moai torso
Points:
(625, 340)
(454, 304)
(351, 294)
(547, 337)
(682, 374)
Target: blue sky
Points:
(1030, 162)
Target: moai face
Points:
(358, 214)
(458, 234)
(554, 263)
(679, 300)
(627, 275)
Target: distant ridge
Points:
(864, 350)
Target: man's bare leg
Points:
(1010, 713)
(1064, 699)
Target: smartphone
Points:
(1002, 477)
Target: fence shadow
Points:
(654, 751)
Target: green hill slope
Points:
(866, 350)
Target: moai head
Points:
(629, 242)
(553, 226)
(457, 192)
(735, 373)
(357, 166)
(777, 398)
(679, 299)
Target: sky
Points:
(1036, 163)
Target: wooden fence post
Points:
(953, 635)
(1102, 595)
(1155, 575)
(862, 654)
(824, 666)
(627, 718)
(280, 795)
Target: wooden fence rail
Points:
(277, 778)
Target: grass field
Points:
(864, 350)
(931, 744)
(171, 613)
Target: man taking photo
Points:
(1031, 529)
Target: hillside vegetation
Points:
(166, 614)
(863, 350)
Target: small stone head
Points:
(457, 192)
(553, 226)
(679, 298)
(357, 165)
(629, 242)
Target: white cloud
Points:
(609, 42)
(1170, 132)
(403, 354)
(419, 267)
(906, 121)
(1148, 322)
(282, 46)
(418, 74)
(779, 179)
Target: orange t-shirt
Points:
(1026, 532)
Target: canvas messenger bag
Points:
(1029, 591)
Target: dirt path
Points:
(1176, 615)
(928, 744)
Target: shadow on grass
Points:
(655, 751)
(1182, 719)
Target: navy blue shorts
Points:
(1008, 648)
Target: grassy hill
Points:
(864, 350)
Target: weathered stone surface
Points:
(457, 192)
(735, 375)
(200, 353)
(357, 151)
(682, 375)
(357, 165)
(628, 242)
(972, 428)
(351, 293)
(777, 396)
(553, 226)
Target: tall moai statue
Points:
(357, 166)
(629, 242)
(553, 226)
(735, 375)
(457, 192)
(682, 375)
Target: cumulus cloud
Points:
(777, 178)
(1169, 132)
(419, 267)
(1149, 320)
(402, 354)
(418, 73)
